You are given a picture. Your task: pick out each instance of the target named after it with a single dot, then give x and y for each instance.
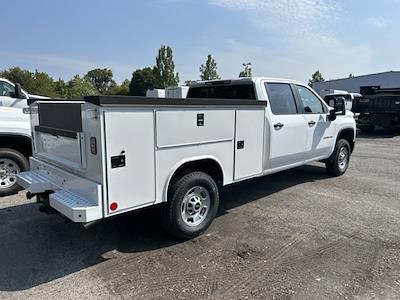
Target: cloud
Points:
(292, 16)
(306, 39)
(377, 22)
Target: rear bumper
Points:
(75, 197)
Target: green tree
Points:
(122, 89)
(247, 71)
(101, 79)
(142, 80)
(209, 70)
(164, 70)
(189, 82)
(61, 88)
(316, 77)
(39, 83)
(78, 87)
(43, 85)
(18, 75)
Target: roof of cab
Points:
(243, 80)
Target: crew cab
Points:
(102, 156)
(15, 135)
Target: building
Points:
(389, 79)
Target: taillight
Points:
(93, 145)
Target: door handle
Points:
(311, 123)
(278, 125)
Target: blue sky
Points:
(282, 38)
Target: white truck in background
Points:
(176, 92)
(348, 98)
(15, 135)
(102, 156)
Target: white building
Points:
(389, 79)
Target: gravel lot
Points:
(297, 234)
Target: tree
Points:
(189, 82)
(142, 80)
(39, 83)
(78, 87)
(316, 77)
(101, 79)
(247, 71)
(164, 70)
(351, 75)
(17, 75)
(43, 85)
(209, 70)
(61, 88)
(122, 89)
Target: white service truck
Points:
(102, 156)
(15, 135)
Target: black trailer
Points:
(378, 107)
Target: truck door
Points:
(288, 130)
(320, 129)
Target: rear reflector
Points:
(113, 206)
(93, 145)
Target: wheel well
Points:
(208, 166)
(17, 142)
(348, 135)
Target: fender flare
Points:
(181, 163)
(338, 134)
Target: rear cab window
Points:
(230, 91)
(281, 98)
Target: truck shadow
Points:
(37, 248)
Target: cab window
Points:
(311, 104)
(232, 91)
(6, 89)
(281, 98)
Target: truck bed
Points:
(105, 155)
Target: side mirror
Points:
(18, 91)
(339, 108)
(332, 115)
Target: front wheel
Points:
(338, 162)
(192, 205)
(11, 163)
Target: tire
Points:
(11, 163)
(192, 205)
(338, 162)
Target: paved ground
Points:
(297, 234)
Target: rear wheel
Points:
(192, 205)
(11, 163)
(338, 162)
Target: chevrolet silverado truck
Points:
(15, 135)
(102, 156)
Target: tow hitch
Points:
(43, 200)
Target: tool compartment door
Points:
(249, 142)
(129, 139)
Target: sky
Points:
(281, 38)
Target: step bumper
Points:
(77, 198)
